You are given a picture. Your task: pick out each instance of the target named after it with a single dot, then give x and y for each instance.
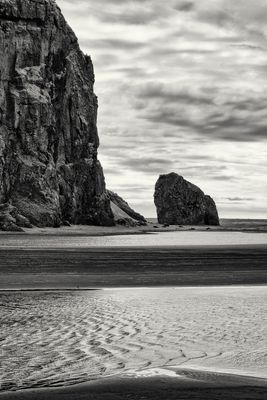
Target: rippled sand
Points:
(50, 339)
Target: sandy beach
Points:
(36, 262)
(187, 385)
(96, 257)
(103, 267)
(133, 215)
(65, 338)
(226, 225)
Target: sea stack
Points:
(49, 171)
(179, 202)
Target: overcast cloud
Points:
(182, 86)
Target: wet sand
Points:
(81, 268)
(186, 385)
(69, 337)
(158, 266)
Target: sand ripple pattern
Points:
(60, 338)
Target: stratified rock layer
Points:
(48, 112)
(123, 213)
(179, 202)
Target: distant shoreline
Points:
(44, 290)
(227, 225)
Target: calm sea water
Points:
(187, 238)
(60, 338)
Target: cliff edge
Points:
(49, 171)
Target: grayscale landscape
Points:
(133, 218)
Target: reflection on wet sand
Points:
(64, 338)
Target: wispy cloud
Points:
(182, 86)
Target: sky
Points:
(182, 87)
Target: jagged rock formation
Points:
(49, 172)
(11, 220)
(123, 213)
(179, 202)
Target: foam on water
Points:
(60, 338)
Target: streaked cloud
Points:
(182, 86)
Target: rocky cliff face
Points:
(123, 213)
(49, 170)
(179, 202)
